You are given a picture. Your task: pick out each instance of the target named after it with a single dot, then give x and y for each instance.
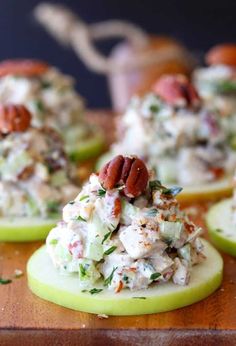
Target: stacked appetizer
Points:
(217, 83)
(124, 248)
(53, 101)
(217, 86)
(221, 222)
(36, 179)
(181, 140)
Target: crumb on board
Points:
(18, 273)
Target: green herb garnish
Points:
(155, 276)
(5, 281)
(139, 297)
(110, 250)
(39, 106)
(156, 185)
(45, 84)
(226, 87)
(71, 202)
(82, 270)
(80, 218)
(108, 280)
(106, 236)
(173, 191)
(152, 212)
(126, 279)
(53, 207)
(154, 108)
(218, 230)
(83, 198)
(53, 242)
(101, 192)
(95, 290)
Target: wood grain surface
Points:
(27, 320)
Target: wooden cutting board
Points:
(27, 320)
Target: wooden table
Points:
(27, 320)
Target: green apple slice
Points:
(25, 229)
(222, 231)
(210, 191)
(85, 149)
(83, 142)
(45, 281)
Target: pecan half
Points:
(177, 91)
(128, 171)
(222, 54)
(28, 68)
(14, 118)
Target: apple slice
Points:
(207, 192)
(25, 229)
(81, 149)
(222, 231)
(46, 282)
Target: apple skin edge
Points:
(21, 230)
(45, 282)
(218, 220)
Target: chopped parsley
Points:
(108, 280)
(155, 276)
(101, 192)
(218, 230)
(5, 281)
(226, 87)
(110, 250)
(53, 242)
(53, 207)
(152, 212)
(126, 279)
(95, 290)
(174, 191)
(82, 270)
(154, 108)
(39, 106)
(80, 218)
(106, 236)
(83, 198)
(45, 84)
(156, 185)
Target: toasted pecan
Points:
(177, 91)
(222, 54)
(14, 118)
(129, 172)
(24, 67)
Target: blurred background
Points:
(198, 24)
